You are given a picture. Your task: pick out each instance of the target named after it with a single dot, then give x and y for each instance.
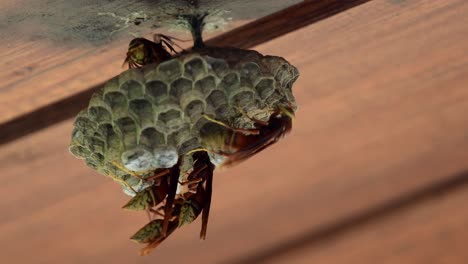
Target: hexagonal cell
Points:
(180, 86)
(169, 115)
(195, 107)
(169, 70)
(143, 110)
(223, 111)
(190, 96)
(128, 130)
(133, 89)
(188, 145)
(251, 71)
(156, 90)
(105, 129)
(117, 102)
(219, 66)
(97, 100)
(216, 98)
(285, 73)
(181, 134)
(112, 85)
(95, 145)
(152, 138)
(138, 159)
(243, 99)
(265, 87)
(77, 136)
(99, 114)
(230, 83)
(172, 119)
(195, 68)
(85, 125)
(99, 158)
(92, 163)
(274, 98)
(199, 123)
(165, 157)
(79, 151)
(206, 84)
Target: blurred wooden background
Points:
(374, 171)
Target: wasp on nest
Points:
(161, 127)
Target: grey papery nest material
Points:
(145, 118)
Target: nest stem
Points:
(196, 23)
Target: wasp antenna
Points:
(169, 45)
(170, 38)
(175, 44)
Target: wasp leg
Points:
(202, 161)
(239, 130)
(173, 181)
(148, 213)
(169, 45)
(168, 40)
(195, 173)
(155, 212)
(253, 119)
(160, 39)
(159, 174)
(184, 183)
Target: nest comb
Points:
(145, 118)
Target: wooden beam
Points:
(317, 236)
(45, 116)
(282, 22)
(247, 36)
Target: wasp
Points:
(143, 51)
(174, 210)
(168, 208)
(236, 145)
(186, 209)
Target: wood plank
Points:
(382, 116)
(433, 230)
(24, 108)
(282, 22)
(38, 72)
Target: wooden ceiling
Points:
(374, 171)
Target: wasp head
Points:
(142, 51)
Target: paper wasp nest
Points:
(161, 127)
(145, 118)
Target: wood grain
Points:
(282, 22)
(433, 230)
(38, 72)
(382, 116)
(32, 98)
